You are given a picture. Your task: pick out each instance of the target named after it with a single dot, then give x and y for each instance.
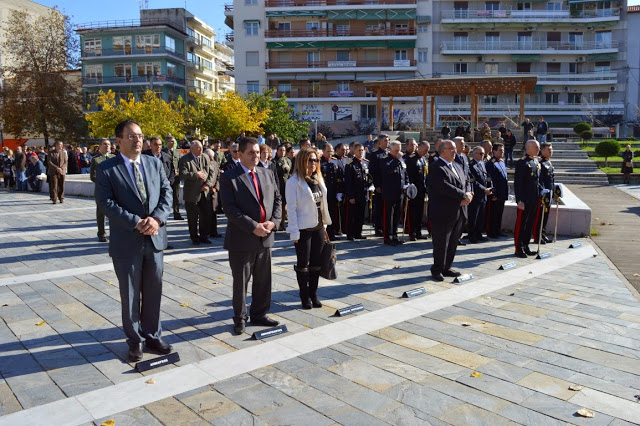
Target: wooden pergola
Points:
(425, 87)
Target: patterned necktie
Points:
(263, 215)
(142, 190)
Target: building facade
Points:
(168, 51)
(320, 52)
(632, 116)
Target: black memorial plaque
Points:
(415, 292)
(270, 332)
(575, 245)
(349, 310)
(160, 361)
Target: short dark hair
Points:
(352, 144)
(155, 138)
(545, 145)
(383, 136)
(244, 142)
(121, 125)
(497, 146)
(339, 146)
(357, 145)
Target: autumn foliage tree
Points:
(38, 96)
(155, 116)
(282, 119)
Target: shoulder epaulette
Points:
(413, 154)
(350, 161)
(364, 159)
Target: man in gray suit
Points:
(251, 201)
(133, 191)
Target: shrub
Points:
(586, 135)
(607, 148)
(581, 127)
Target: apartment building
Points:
(169, 51)
(320, 52)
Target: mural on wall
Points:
(403, 113)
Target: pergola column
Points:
(391, 113)
(522, 95)
(473, 111)
(424, 113)
(379, 109)
(433, 112)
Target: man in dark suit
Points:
(463, 161)
(167, 162)
(215, 189)
(103, 155)
(134, 193)
(448, 197)
(481, 188)
(173, 152)
(197, 175)
(251, 201)
(497, 170)
(526, 186)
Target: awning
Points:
(602, 57)
(390, 44)
(285, 14)
(318, 76)
(401, 14)
(282, 77)
(401, 44)
(372, 15)
(423, 19)
(525, 58)
(582, 1)
(342, 15)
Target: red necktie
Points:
(263, 214)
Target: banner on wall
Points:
(343, 113)
(313, 112)
(404, 113)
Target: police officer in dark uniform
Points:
(481, 188)
(393, 180)
(417, 171)
(375, 160)
(332, 175)
(527, 190)
(547, 182)
(357, 181)
(497, 170)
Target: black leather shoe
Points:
(350, 238)
(473, 241)
(391, 243)
(159, 345)
(216, 235)
(547, 239)
(437, 277)
(102, 239)
(521, 254)
(135, 352)
(177, 217)
(379, 233)
(460, 243)
(238, 328)
(265, 320)
(195, 242)
(413, 238)
(529, 252)
(397, 241)
(205, 241)
(361, 237)
(451, 273)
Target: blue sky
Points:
(82, 11)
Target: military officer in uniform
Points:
(375, 160)
(341, 161)
(481, 188)
(393, 180)
(497, 170)
(417, 171)
(547, 183)
(527, 190)
(104, 153)
(357, 181)
(332, 175)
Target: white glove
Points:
(339, 197)
(405, 187)
(545, 191)
(371, 188)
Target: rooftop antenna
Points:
(144, 4)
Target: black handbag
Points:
(328, 267)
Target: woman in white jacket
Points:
(308, 214)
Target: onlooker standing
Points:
(20, 164)
(527, 127)
(57, 170)
(251, 202)
(260, 139)
(283, 169)
(7, 168)
(35, 170)
(265, 156)
(497, 170)
(215, 189)
(509, 145)
(85, 161)
(104, 153)
(369, 144)
(231, 160)
(481, 188)
(73, 167)
(446, 131)
(308, 217)
(627, 164)
(195, 171)
(542, 128)
(174, 153)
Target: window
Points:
(554, 38)
(550, 98)
(148, 69)
(313, 25)
(461, 9)
(284, 26)
(207, 86)
(252, 59)
(423, 55)
(206, 41)
(93, 47)
(194, 59)
(575, 98)
(492, 5)
(460, 41)
(170, 43)
(313, 88)
(423, 28)
(147, 42)
(313, 59)
(523, 67)
(284, 87)
(603, 39)
(122, 44)
(459, 68)
(524, 6)
(553, 67)
(601, 97)
(284, 58)
(554, 6)
(253, 86)
(122, 71)
(575, 67)
(491, 68)
(490, 99)
(207, 64)
(251, 28)
(343, 27)
(492, 40)
(250, 2)
(575, 39)
(459, 99)
(367, 112)
(342, 55)
(93, 73)
(525, 40)
(342, 86)
(400, 55)
(602, 66)
(371, 56)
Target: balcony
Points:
(200, 69)
(545, 109)
(322, 93)
(131, 80)
(332, 3)
(128, 51)
(229, 37)
(131, 23)
(228, 9)
(334, 32)
(327, 66)
(549, 79)
(204, 46)
(529, 16)
(534, 47)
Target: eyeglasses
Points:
(133, 136)
(234, 152)
(313, 160)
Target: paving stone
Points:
(348, 415)
(8, 402)
(548, 385)
(457, 356)
(496, 387)
(423, 398)
(504, 371)
(525, 416)
(209, 404)
(136, 416)
(470, 415)
(38, 395)
(367, 375)
(239, 418)
(562, 410)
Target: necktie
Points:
(263, 215)
(142, 190)
(452, 167)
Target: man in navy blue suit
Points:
(134, 193)
(497, 171)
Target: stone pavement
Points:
(528, 333)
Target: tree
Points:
(607, 148)
(224, 117)
(282, 119)
(37, 96)
(155, 116)
(581, 127)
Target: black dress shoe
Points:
(102, 239)
(265, 320)
(216, 235)
(460, 243)
(205, 241)
(521, 254)
(451, 273)
(391, 243)
(159, 345)
(177, 217)
(350, 238)
(473, 241)
(547, 239)
(483, 239)
(529, 252)
(413, 238)
(379, 233)
(135, 352)
(238, 328)
(195, 242)
(361, 237)
(437, 277)
(397, 241)
(61, 201)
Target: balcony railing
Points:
(334, 32)
(342, 64)
(229, 37)
(132, 79)
(129, 51)
(539, 106)
(199, 67)
(228, 8)
(506, 46)
(307, 3)
(546, 15)
(544, 77)
(131, 23)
